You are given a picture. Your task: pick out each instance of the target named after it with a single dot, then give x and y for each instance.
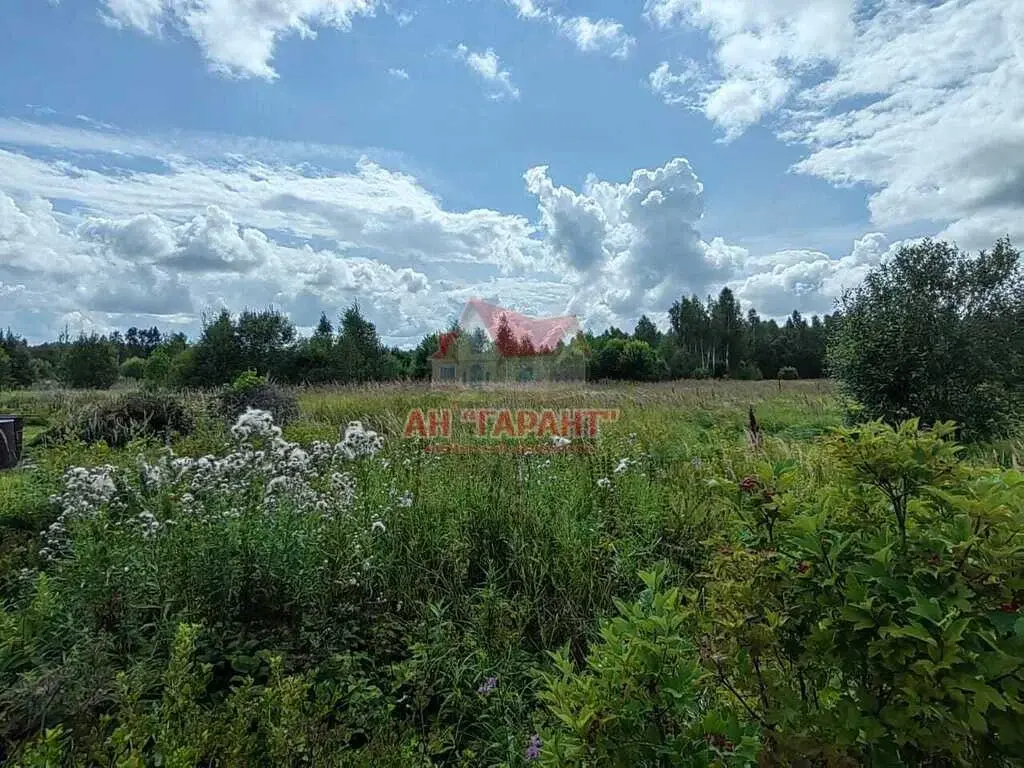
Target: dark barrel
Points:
(11, 431)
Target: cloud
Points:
(306, 239)
(237, 37)
(807, 280)
(398, 74)
(761, 50)
(210, 242)
(685, 87)
(922, 102)
(630, 246)
(937, 122)
(245, 232)
(603, 36)
(487, 65)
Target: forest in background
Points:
(712, 338)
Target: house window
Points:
(447, 373)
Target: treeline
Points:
(712, 339)
(264, 341)
(705, 339)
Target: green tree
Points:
(6, 379)
(421, 368)
(639, 362)
(133, 368)
(264, 339)
(728, 332)
(90, 362)
(936, 334)
(647, 332)
(361, 353)
(158, 367)
(19, 357)
(216, 357)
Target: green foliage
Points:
(749, 371)
(119, 421)
(360, 351)
(249, 390)
(881, 622)
(90, 362)
(20, 371)
(474, 610)
(632, 360)
(6, 371)
(788, 372)
(157, 371)
(247, 381)
(643, 698)
(133, 368)
(936, 334)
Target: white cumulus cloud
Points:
(604, 36)
(238, 37)
(487, 65)
(631, 245)
(920, 101)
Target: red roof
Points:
(542, 331)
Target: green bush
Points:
(644, 698)
(252, 391)
(788, 372)
(936, 334)
(878, 620)
(117, 422)
(749, 371)
(133, 368)
(6, 375)
(90, 362)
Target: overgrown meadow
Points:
(238, 590)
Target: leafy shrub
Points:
(158, 367)
(90, 362)
(42, 370)
(644, 697)
(749, 371)
(788, 372)
(133, 368)
(6, 375)
(879, 620)
(247, 381)
(126, 418)
(250, 390)
(936, 334)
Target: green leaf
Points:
(915, 631)
(927, 608)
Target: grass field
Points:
(290, 601)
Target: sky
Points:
(161, 159)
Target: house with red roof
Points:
(492, 343)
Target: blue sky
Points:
(160, 158)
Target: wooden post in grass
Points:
(11, 432)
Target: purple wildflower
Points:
(488, 685)
(533, 748)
